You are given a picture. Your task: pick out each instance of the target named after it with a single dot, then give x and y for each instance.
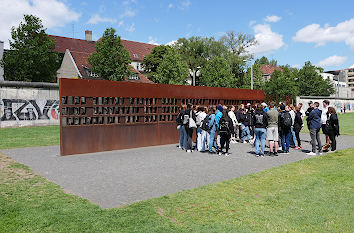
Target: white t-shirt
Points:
(303, 114)
(324, 115)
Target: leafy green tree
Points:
(111, 60)
(237, 45)
(264, 60)
(31, 57)
(172, 70)
(152, 61)
(217, 73)
(282, 83)
(196, 51)
(311, 83)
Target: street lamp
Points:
(251, 72)
(194, 75)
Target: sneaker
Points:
(275, 153)
(297, 148)
(320, 153)
(220, 153)
(244, 142)
(311, 153)
(189, 151)
(257, 155)
(227, 154)
(262, 155)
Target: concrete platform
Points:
(116, 178)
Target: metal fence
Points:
(99, 115)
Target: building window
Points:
(134, 77)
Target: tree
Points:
(311, 83)
(238, 43)
(264, 60)
(172, 70)
(282, 83)
(217, 73)
(111, 60)
(31, 57)
(196, 51)
(153, 60)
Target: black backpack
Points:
(205, 124)
(179, 120)
(224, 126)
(287, 121)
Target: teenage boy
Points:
(314, 125)
(272, 130)
(325, 104)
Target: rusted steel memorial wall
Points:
(99, 115)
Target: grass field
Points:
(29, 136)
(346, 124)
(313, 195)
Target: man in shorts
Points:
(272, 130)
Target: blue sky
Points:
(291, 32)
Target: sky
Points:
(291, 32)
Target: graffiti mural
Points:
(28, 110)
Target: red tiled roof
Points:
(81, 61)
(63, 43)
(269, 69)
(137, 50)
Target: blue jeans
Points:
(212, 141)
(245, 133)
(285, 140)
(260, 134)
(292, 137)
(182, 136)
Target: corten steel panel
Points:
(99, 115)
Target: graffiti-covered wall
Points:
(340, 104)
(28, 106)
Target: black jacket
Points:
(332, 123)
(298, 122)
(260, 119)
(188, 112)
(239, 115)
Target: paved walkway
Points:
(116, 178)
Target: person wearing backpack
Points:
(314, 125)
(212, 131)
(285, 123)
(189, 113)
(260, 120)
(226, 128)
(272, 129)
(181, 129)
(201, 134)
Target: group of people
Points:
(216, 128)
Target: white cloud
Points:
(95, 19)
(128, 13)
(352, 66)
(120, 23)
(54, 13)
(332, 61)
(153, 40)
(252, 22)
(172, 42)
(267, 40)
(272, 18)
(170, 6)
(131, 28)
(314, 33)
(295, 66)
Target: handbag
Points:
(192, 124)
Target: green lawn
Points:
(346, 124)
(313, 195)
(29, 136)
